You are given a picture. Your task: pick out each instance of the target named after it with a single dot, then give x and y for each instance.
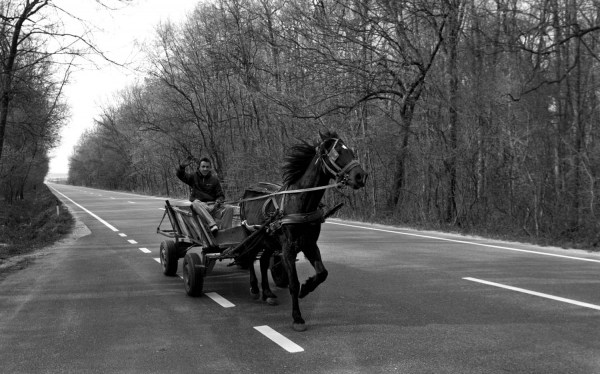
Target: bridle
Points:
(329, 162)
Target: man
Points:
(206, 194)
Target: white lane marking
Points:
(157, 259)
(112, 198)
(122, 234)
(220, 300)
(281, 340)
(88, 212)
(145, 250)
(534, 293)
(131, 202)
(131, 241)
(467, 242)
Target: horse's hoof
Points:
(299, 327)
(272, 301)
(303, 292)
(254, 295)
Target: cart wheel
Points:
(278, 272)
(193, 274)
(169, 257)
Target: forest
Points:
(476, 116)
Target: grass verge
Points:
(32, 224)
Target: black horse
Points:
(296, 217)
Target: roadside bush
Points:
(30, 224)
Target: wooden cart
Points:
(191, 240)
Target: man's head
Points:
(205, 166)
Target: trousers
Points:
(212, 214)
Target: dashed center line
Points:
(131, 241)
(122, 234)
(534, 293)
(279, 339)
(220, 300)
(145, 250)
(157, 259)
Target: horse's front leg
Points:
(267, 295)
(314, 257)
(289, 262)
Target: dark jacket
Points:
(203, 188)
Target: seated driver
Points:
(206, 194)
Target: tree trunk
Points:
(454, 25)
(401, 157)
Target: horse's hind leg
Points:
(267, 294)
(253, 283)
(314, 257)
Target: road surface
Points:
(395, 301)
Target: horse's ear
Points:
(325, 136)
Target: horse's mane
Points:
(299, 157)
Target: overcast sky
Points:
(116, 32)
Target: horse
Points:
(294, 213)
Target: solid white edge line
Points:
(466, 242)
(220, 300)
(534, 293)
(145, 250)
(279, 339)
(87, 211)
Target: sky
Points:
(118, 33)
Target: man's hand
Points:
(187, 162)
(219, 202)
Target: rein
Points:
(338, 185)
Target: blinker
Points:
(333, 155)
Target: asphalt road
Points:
(396, 301)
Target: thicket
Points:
(474, 115)
(33, 223)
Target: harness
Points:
(277, 217)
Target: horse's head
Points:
(340, 162)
